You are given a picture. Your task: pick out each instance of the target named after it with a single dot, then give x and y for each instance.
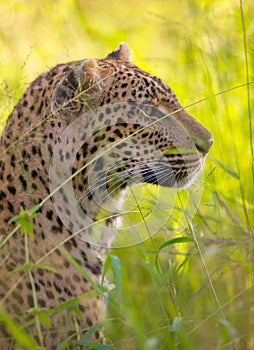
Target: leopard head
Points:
(128, 127)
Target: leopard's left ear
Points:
(80, 88)
(122, 53)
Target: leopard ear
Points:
(79, 88)
(122, 53)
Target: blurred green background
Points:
(184, 296)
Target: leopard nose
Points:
(199, 134)
(203, 145)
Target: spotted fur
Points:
(60, 127)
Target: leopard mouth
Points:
(171, 175)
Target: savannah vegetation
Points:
(189, 283)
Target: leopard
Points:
(81, 133)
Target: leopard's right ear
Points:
(122, 53)
(77, 90)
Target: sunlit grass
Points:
(188, 295)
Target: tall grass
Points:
(167, 292)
